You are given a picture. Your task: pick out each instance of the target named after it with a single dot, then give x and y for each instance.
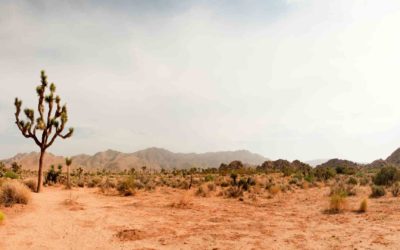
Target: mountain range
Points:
(152, 158)
(159, 158)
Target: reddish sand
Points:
(147, 221)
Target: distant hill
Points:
(394, 158)
(30, 160)
(339, 163)
(152, 158)
(377, 164)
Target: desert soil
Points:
(147, 221)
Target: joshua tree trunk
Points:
(40, 173)
(68, 178)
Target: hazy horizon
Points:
(291, 79)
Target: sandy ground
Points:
(147, 221)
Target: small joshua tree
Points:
(68, 162)
(48, 126)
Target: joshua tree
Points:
(68, 162)
(48, 126)
(16, 168)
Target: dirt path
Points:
(147, 221)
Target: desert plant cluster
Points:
(231, 181)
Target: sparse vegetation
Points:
(396, 189)
(377, 191)
(126, 187)
(337, 203)
(31, 184)
(363, 206)
(2, 217)
(387, 176)
(14, 192)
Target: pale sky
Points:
(291, 79)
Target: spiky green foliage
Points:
(50, 123)
(68, 162)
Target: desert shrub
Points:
(234, 179)
(224, 184)
(201, 192)
(2, 169)
(16, 168)
(305, 185)
(208, 178)
(233, 192)
(14, 192)
(396, 189)
(274, 189)
(184, 201)
(184, 185)
(94, 182)
(149, 186)
(211, 186)
(126, 187)
(309, 178)
(324, 173)
(364, 181)
(243, 184)
(251, 181)
(343, 189)
(11, 175)
(81, 183)
(337, 203)
(352, 181)
(377, 191)
(2, 217)
(294, 181)
(387, 176)
(363, 206)
(347, 170)
(140, 185)
(31, 184)
(106, 185)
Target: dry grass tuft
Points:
(338, 204)
(2, 217)
(363, 206)
(31, 184)
(274, 189)
(184, 201)
(14, 192)
(202, 191)
(130, 235)
(72, 203)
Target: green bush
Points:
(126, 187)
(352, 181)
(309, 178)
(94, 182)
(387, 176)
(364, 181)
(377, 191)
(11, 175)
(324, 173)
(343, 190)
(209, 178)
